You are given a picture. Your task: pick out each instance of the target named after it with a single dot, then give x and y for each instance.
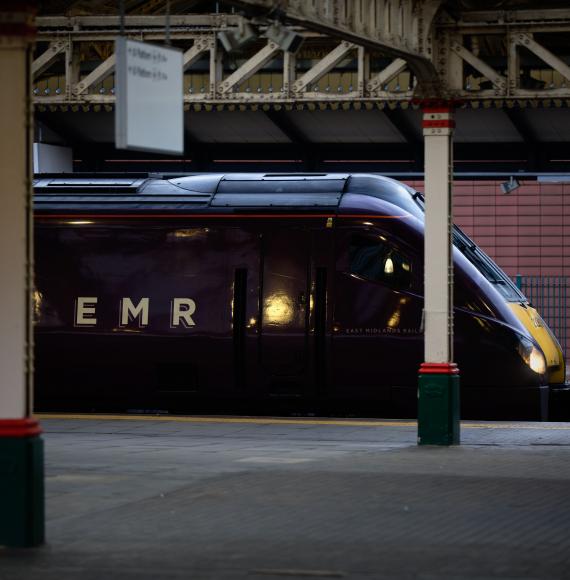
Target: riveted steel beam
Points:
(250, 67)
(100, 73)
(400, 29)
(386, 75)
(488, 72)
(500, 18)
(78, 23)
(324, 66)
(200, 46)
(47, 58)
(448, 44)
(545, 55)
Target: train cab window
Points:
(374, 258)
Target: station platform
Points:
(244, 498)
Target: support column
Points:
(21, 448)
(438, 392)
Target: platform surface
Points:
(201, 498)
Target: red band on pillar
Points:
(438, 369)
(19, 428)
(449, 123)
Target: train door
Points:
(377, 340)
(285, 295)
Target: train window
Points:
(375, 259)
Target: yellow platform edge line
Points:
(247, 420)
(285, 421)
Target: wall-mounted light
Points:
(510, 185)
(284, 37)
(238, 37)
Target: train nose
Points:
(551, 349)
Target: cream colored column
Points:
(16, 35)
(438, 127)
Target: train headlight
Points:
(532, 356)
(536, 361)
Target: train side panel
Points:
(131, 316)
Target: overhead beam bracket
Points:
(199, 47)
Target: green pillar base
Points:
(438, 404)
(21, 483)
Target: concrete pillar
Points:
(21, 451)
(438, 395)
(438, 126)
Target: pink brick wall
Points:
(524, 232)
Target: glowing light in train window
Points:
(252, 322)
(394, 320)
(278, 309)
(383, 238)
(80, 222)
(405, 267)
(388, 266)
(367, 224)
(37, 298)
(189, 233)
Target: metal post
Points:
(438, 390)
(21, 448)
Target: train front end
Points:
(559, 407)
(551, 356)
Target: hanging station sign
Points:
(149, 97)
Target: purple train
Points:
(297, 292)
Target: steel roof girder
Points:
(48, 57)
(387, 74)
(195, 52)
(487, 71)
(493, 19)
(79, 23)
(324, 66)
(249, 68)
(526, 40)
(106, 68)
(401, 28)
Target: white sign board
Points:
(149, 97)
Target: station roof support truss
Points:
(385, 69)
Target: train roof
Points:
(233, 192)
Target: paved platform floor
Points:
(268, 500)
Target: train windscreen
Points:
(480, 260)
(487, 267)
